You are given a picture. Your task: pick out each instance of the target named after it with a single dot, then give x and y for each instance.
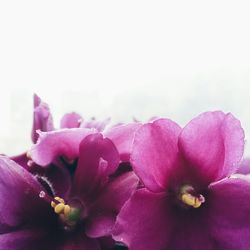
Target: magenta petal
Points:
(113, 196)
(42, 119)
(19, 196)
(57, 178)
(144, 222)
(155, 153)
(25, 239)
(101, 225)
(98, 158)
(93, 123)
(44, 239)
(71, 120)
(213, 145)
(78, 242)
(21, 160)
(108, 203)
(229, 205)
(123, 137)
(64, 142)
(192, 233)
(244, 167)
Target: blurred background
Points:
(122, 59)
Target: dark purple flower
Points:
(189, 202)
(35, 215)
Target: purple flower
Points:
(64, 144)
(34, 214)
(189, 201)
(123, 136)
(43, 122)
(42, 118)
(74, 120)
(71, 120)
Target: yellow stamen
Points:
(59, 208)
(68, 215)
(53, 204)
(67, 209)
(59, 199)
(191, 200)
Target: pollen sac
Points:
(190, 198)
(69, 216)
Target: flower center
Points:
(189, 197)
(68, 215)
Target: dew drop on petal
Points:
(30, 163)
(42, 194)
(103, 164)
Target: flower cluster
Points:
(92, 185)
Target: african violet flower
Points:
(188, 201)
(33, 216)
(66, 139)
(43, 122)
(121, 134)
(42, 118)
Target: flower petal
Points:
(93, 123)
(63, 142)
(229, 205)
(77, 242)
(38, 239)
(97, 160)
(19, 196)
(244, 167)
(42, 119)
(213, 145)
(102, 225)
(71, 120)
(154, 153)
(144, 222)
(25, 239)
(108, 203)
(21, 160)
(56, 179)
(192, 234)
(123, 136)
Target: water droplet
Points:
(103, 163)
(42, 194)
(30, 163)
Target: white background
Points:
(122, 59)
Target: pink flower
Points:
(40, 212)
(188, 201)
